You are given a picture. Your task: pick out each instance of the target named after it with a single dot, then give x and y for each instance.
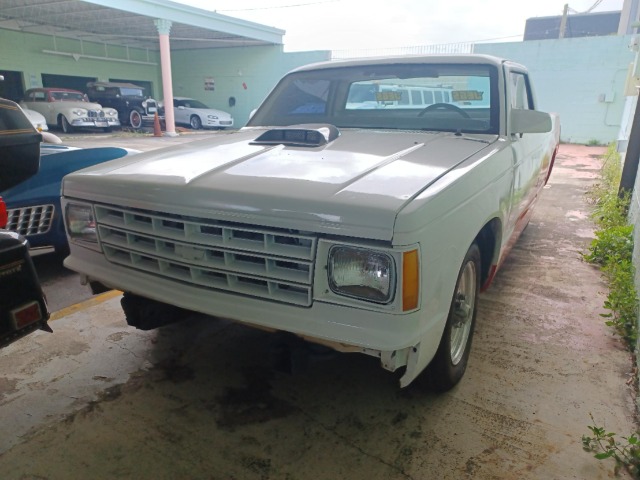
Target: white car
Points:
(68, 109)
(37, 120)
(189, 111)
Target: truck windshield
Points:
(442, 97)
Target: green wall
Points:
(23, 52)
(581, 79)
(245, 73)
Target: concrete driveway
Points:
(97, 399)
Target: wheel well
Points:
(488, 241)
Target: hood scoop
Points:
(304, 135)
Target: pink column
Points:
(164, 27)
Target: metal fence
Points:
(466, 47)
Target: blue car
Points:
(33, 206)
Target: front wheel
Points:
(135, 119)
(450, 362)
(66, 126)
(196, 123)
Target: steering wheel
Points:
(444, 106)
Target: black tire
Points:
(65, 125)
(450, 362)
(135, 119)
(195, 122)
(62, 250)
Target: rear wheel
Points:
(135, 119)
(195, 122)
(450, 362)
(65, 125)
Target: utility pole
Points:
(563, 22)
(632, 157)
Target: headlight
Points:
(79, 112)
(111, 113)
(362, 273)
(80, 222)
(212, 117)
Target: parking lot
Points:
(198, 400)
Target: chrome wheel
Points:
(462, 311)
(450, 361)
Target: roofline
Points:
(589, 14)
(179, 13)
(61, 89)
(390, 60)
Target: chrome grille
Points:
(95, 113)
(30, 220)
(267, 263)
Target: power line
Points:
(597, 2)
(280, 6)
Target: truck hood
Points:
(355, 185)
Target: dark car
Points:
(23, 308)
(34, 204)
(128, 99)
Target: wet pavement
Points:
(98, 399)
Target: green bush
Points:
(612, 249)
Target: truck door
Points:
(527, 150)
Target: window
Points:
(387, 96)
(520, 92)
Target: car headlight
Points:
(111, 112)
(80, 222)
(212, 117)
(362, 273)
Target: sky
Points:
(379, 24)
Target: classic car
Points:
(23, 308)
(69, 109)
(188, 111)
(134, 108)
(369, 230)
(33, 206)
(37, 119)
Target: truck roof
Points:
(422, 59)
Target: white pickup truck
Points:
(363, 208)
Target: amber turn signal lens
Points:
(410, 280)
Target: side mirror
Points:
(529, 121)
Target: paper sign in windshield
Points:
(466, 95)
(388, 96)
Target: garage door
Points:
(66, 81)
